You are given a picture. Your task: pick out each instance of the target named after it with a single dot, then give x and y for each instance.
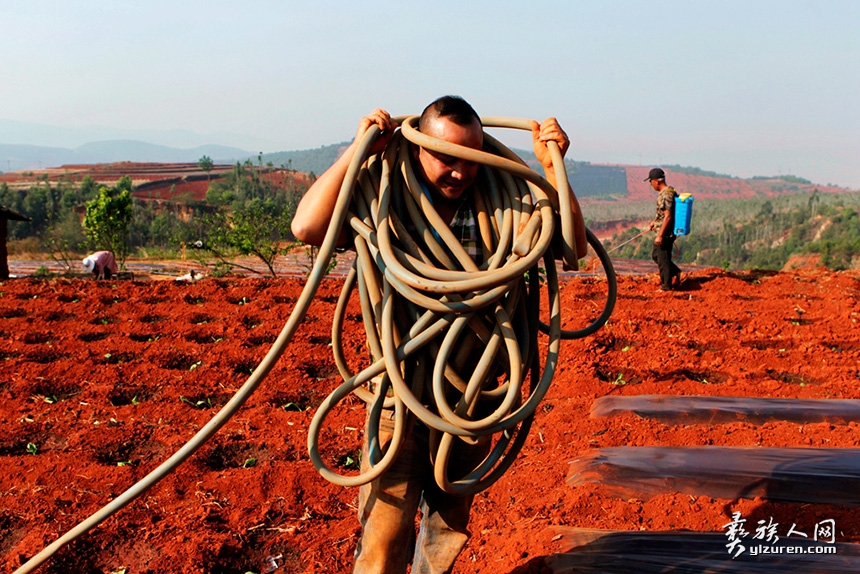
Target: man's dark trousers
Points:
(662, 256)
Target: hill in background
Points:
(607, 181)
(589, 180)
(14, 157)
(315, 160)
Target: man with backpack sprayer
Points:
(664, 223)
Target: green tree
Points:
(64, 239)
(253, 230)
(89, 187)
(205, 163)
(108, 218)
(254, 214)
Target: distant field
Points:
(611, 194)
(588, 180)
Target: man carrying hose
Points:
(388, 505)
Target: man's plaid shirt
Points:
(464, 226)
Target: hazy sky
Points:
(741, 87)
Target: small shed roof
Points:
(12, 214)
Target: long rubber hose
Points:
(426, 305)
(399, 286)
(221, 417)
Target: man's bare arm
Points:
(664, 228)
(316, 208)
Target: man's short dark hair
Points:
(454, 108)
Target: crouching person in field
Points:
(101, 264)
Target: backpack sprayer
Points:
(683, 219)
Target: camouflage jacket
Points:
(666, 202)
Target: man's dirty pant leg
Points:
(387, 509)
(443, 532)
(662, 256)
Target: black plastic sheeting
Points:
(713, 410)
(812, 475)
(616, 552)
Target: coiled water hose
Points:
(452, 341)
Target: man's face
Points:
(448, 175)
(655, 184)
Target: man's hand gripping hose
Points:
(453, 342)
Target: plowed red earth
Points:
(102, 381)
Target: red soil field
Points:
(103, 381)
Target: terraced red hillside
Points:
(102, 381)
(167, 181)
(164, 181)
(711, 187)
